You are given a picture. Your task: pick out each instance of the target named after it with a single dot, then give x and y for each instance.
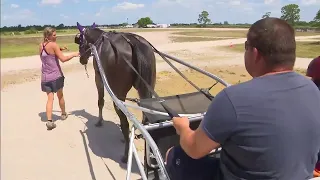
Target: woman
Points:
(52, 78)
(314, 72)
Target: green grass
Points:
(26, 45)
(235, 34)
(13, 47)
(37, 34)
(307, 33)
(75, 31)
(211, 33)
(304, 49)
(194, 39)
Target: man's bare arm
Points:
(196, 143)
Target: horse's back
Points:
(116, 55)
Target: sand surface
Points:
(77, 149)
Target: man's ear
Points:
(256, 55)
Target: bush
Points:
(31, 31)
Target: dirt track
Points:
(76, 149)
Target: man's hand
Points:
(180, 123)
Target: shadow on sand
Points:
(105, 141)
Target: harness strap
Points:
(179, 72)
(167, 109)
(171, 112)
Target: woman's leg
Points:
(50, 124)
(49, 105)
(62, 104)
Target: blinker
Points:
(77, 39)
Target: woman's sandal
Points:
(64, 116)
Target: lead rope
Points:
(85, 68)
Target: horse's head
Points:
(83, 39)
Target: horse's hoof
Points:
(98, 124)
(124, 159)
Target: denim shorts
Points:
(53, 86)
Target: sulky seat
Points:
(166, 136)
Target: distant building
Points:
(151, 26)
(163, 25)
(129, 26)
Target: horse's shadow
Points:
(105, 141)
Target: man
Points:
(268, 127)
(314, 71)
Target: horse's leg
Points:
(100, 89)
(124, 125)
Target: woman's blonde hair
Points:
(47, 32)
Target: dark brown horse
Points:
(116, 50)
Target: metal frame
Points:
(144, 129)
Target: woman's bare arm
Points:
(60, 55)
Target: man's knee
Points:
(181, 166)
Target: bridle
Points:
(82, 42)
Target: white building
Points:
(163, 25)
(129, 26)
(151, 26)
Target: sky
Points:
(69, 12)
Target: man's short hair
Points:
(274, 38)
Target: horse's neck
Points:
(95, 35)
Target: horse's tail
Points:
(146, 68)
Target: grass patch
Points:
(194, 39)
(212, 33)
(17, 47)
(235, 34)
(27, 45)
(304, 49)
(307, 33)
(75, 31)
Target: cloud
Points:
(235, 2)
(127, 6)
(64, 16)
(52, 2)
(268, 1)
(19, 15)
(14, 5)
(310, 2)
(98, 0)
(100, 11)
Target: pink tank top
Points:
(51, 69)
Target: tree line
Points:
(290, 13)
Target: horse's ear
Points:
(93, 25)
(79, 27)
